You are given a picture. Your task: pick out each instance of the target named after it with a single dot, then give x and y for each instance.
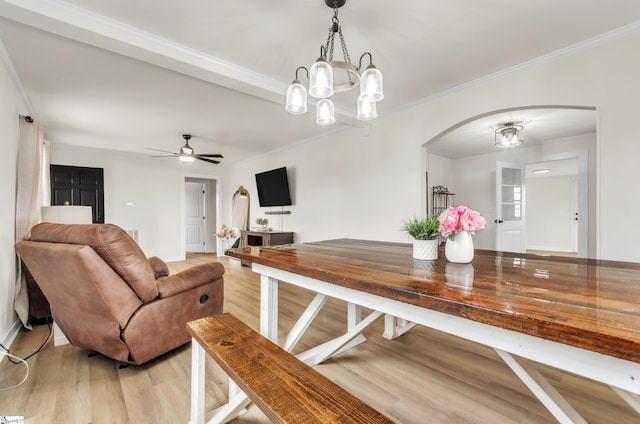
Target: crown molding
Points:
(79, 24)
(583, 45)
(8, 64)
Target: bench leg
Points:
(197, 382)
(230, 411)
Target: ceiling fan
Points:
(187, 154)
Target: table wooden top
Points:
(587, 303)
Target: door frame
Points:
(583, 192)
(212, 217)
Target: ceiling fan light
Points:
(321, 79)
(186, 158)
(296, 98)
(366, 110)
(371, 85)
(324, 112)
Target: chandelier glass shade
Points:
(371, 85)
(321, 79)
(366, 110)
(508, 135)
(322, 84)
(296, 98)
(325, 114)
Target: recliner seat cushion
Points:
(113, 245)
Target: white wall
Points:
(548, 212)
(351, 185)
(11, 106)
(364, 184)
(154, 186)
(344, 185)
(440, 174)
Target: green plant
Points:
(262, 221)
(422, 229)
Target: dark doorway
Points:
(79, 186)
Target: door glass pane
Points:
(511, 194)
(511, 176)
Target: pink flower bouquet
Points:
(458, 218)
(226, 232)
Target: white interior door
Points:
(575, 215)
(194, 217)
(510, 198)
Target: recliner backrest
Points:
(113, 245)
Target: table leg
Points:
(632, 399)
(269, 308)
(395, 327)
(319, 354)
(354, 315)
(543, 390)
(304, 321)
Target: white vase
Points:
(426, 250)
(459, 248)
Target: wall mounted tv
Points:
(273, 188)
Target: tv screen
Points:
(273, 188)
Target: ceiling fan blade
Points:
(212, 155)
(163, 151)
(163, 156)
(207, 160)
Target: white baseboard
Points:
(10, 336)
(552, 248)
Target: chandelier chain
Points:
(329, 45)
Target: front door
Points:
(78, 186)
(510, 199)
(195, 217)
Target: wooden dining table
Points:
(578, 315)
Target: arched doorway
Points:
(463, 158)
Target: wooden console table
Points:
(578, 315)
(263, 239)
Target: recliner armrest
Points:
(160, 268)
(189, 278)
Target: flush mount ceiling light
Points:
(508, 134)
(322, 84)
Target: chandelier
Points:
(321, 81)
(508, 135)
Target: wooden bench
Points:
(284, 388)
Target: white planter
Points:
(426, 250)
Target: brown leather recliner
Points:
(106, 296)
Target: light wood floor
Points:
(422, 377)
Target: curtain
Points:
(28, 199)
